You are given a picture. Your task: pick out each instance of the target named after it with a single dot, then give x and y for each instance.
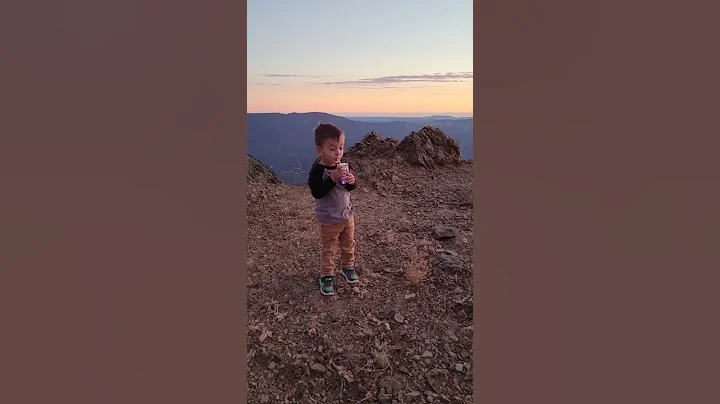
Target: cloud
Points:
(383, 82)
(272, 75)
(366, 87)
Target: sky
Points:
(360, 57)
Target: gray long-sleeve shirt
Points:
(332, 200)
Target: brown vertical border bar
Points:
(597, 202)
(122, 207)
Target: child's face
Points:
(332, 150)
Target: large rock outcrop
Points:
(374, 146)
(429, 147)
(257, 171)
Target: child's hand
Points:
(350, 179)
(336, 174)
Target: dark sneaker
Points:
(350, 274)
(326, 285)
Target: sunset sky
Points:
(360, 57)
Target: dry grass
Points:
(416, 267)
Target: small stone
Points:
(459, 367)
(390, 385)
(384, 398)
(414, 394)
(449, 264)
(272, 365)
(320, 348)
(467, 308)
(443, 232)
(264, 399)
(461, 314)
(437, 379)
(264, 335)
(399, 318)
(318, 367)
(452, 335)
(427, 354)
(410, 296)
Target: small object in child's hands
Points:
(343, 166)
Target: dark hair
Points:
(326, 131)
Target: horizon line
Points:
(369, 114)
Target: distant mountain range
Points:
(433, 118)
(285, 142)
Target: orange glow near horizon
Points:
(451, 98)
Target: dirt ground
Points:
(404, 333)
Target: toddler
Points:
(330, 185)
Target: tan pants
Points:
(344, 232)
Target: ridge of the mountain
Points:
(284, 142)
(377, 159)
(257, 171)
(427, 147)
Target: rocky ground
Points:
(404, 333)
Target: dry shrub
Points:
(416, 266)
(390, 237)
(381, 358)
(380, 353)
